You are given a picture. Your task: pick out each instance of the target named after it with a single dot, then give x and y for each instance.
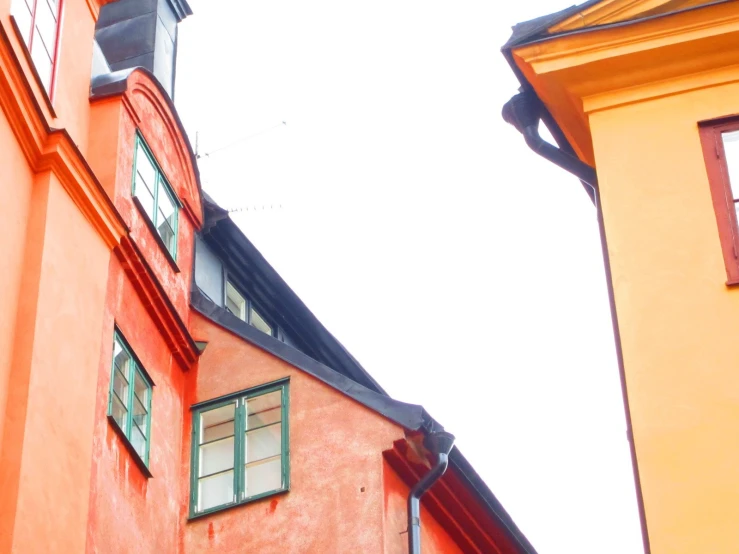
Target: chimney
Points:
(142, 33)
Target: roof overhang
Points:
(578, 70)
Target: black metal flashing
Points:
(115, 83)
(181, 8)
(347, 376)
(410, 416)
(258, 279)
(142, 33)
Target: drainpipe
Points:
(524, 111)
(440, 444)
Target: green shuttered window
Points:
(156, 197)
(129, 405)
(240, 448)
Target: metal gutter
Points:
(440, 444)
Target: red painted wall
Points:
(434, 539)
(336, 499)
(129, 511)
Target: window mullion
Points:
(284, 461)
(129, 400)
(239, 447)
(195, 463)
(149, 391)
(33, 25)
(157, 185)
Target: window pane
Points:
(235, 303)
(731, 147)
(120, 384)
(139, 415)
(266, 417)
(258, 321)
(138, 441)
(166, 206)
(263, 477)
(121, 360)
(167, 234)
(141, 388)
(46, 25)
(217, 423)
(216, 490)
(259, 404)
(22, 13)
(119, 412)
(42, 62)
(216, 456)
(263, 443)
(145, 181)
(54, 7)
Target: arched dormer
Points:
(131, 113)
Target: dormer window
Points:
(242, 308)
(155, 196)
(38, 23)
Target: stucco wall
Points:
(678, 320)
(49, 415)
(336, 499)
(129, 512)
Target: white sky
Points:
(463, 272)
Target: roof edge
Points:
(410, 416)
(116, 83)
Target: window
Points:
(155, 195)
(129, 404)
(240, 448)
(242, 308)
(38, 22)
(720, 140)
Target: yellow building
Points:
(645, 95)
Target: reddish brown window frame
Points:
(33, 33)
(723, 198)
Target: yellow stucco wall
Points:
(679, 322)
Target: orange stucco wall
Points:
(129, 510)
(16, 191)
(336, 499)
(55, 359)
(637, 93)
(678, 320)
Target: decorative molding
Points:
(94, 7)
(608, 11)
(53, 149)
(157, 303)
(582, 48)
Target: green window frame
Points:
(155, 195)
(237, 454)
(129, 401)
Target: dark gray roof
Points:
(535, 28)
(345, 373)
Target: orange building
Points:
(162, 389)
(642, 99)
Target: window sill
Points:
(36, 77)
(225, 507)
(131, 450)
(154, 232)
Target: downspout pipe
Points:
(524, 111)
(439, 443)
